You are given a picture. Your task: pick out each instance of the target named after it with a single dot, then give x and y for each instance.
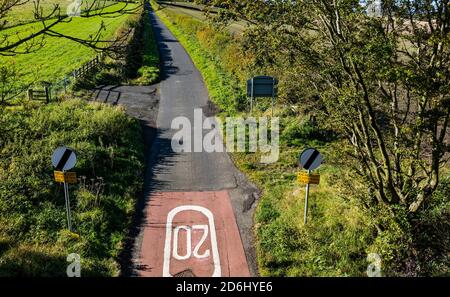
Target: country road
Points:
(197, 217)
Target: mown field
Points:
(59, 57)
(24, 13)
(184, 8)
(340, 234)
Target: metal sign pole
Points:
(64, 159)
(306, 201)
(273, 94)
(66, 195)
(251, 98)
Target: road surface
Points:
(197, 217)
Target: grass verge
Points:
(33, 236)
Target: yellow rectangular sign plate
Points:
(71, 177)
(59, 176)
(68, 177)
(305, 178)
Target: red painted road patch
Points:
(191, 233)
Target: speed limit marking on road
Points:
(192, 234)
(171, 248)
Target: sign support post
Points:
(251, 98)
(310, 159)
(305, 217)
(64, 159)
(66, 196)
(273, 95)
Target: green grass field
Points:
(60, 56)
(235, 27)
(24, 14)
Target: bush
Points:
(32, 208)
(333, 243)
(300, 133)
(147, 75)
(417, 246)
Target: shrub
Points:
(298, 133)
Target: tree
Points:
(12, 44)
(385, 80)
(8, 79)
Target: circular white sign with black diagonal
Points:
(310, 159)
(64, 158)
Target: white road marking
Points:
(167, 247)
(188, 243)
(200, 243)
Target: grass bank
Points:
(59, 57)
(137, 64)
(33, 236)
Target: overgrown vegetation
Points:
(347, 222)
(33, 236)
(136, 64)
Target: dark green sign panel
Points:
(262, 86)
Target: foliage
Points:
(207, 47)
(381, 102)
(137, 63)
(33, 239)
(147, 65)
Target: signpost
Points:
(262, 86)
(64, 159)
(310, 159)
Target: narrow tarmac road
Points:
(197, 217)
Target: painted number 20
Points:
(189, 250)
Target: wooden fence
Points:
(87, 68)
(40, 94)
(45, 94)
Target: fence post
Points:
(30, 94)
(47, 94)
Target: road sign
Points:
(59, 176)
(65, 177)
(305, 178)
(64, 159)
(310, 159)
(262, 86)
